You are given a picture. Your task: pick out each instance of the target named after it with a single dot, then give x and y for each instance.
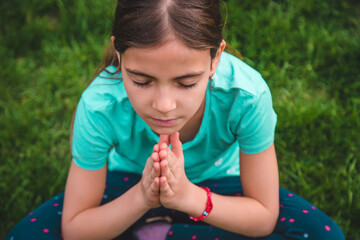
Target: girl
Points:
(158, 135)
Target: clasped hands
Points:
(164, 182)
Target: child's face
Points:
(166, 85)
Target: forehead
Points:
(171, 57)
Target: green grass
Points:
(308, 51)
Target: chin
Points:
(164, 130)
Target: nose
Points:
(164, 101)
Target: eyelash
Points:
(187, 86)
(143, 85)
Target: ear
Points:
(216, 60)
(117, 53)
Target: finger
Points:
(168, 155)
(163, 154)
(176, 145)
(163, 146)
(155, 186)
(164, 186)
(166, 172)
(156, 148)
(164, 139)
(155, 157)
(148, 166)
(157, 169)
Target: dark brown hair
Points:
(147, 23)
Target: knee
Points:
(333, 231)
(35, 229)
(43, 222)
(325, 230)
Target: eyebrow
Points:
(188, 75)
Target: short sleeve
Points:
(255, 131)
(92, 137)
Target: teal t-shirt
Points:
(238, 115)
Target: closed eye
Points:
(141, 84)
(187, 86)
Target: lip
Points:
(165, 122)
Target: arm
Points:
(254, 215)
(83, 218)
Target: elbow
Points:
(271, 221)
(264, 229)
(267, 226)
(68, 234)
(72, 229)
(67, 230)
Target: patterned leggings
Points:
(298, 218)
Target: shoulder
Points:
(105, 91)
(237, 84)
(234, 75)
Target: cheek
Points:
(193, 101)
(133, 94)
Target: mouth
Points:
(165, 122)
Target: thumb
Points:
(176, 145)
(163, 139)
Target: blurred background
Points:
(308, 52)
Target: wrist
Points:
(208, 207)
(142, 201)
(196, 202)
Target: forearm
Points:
(109, 220)
(242, 215)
